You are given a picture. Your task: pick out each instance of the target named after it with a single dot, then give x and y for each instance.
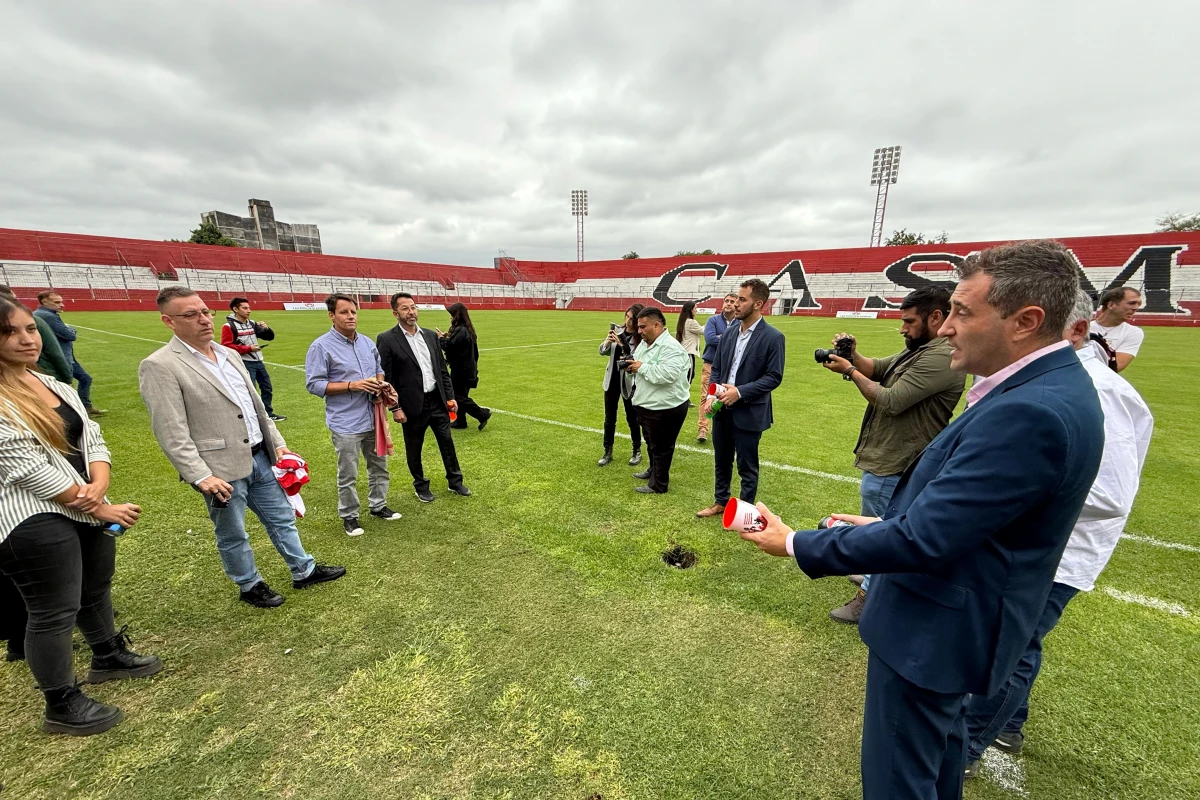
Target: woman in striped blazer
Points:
(57, 529)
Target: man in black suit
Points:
(966, 552)
(747, 368)
(414, 365)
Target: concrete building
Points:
(261, 231)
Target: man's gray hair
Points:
(1082, 310)
(1040, 273)
(169, 293)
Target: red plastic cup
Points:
(453, 414)
(743, 517)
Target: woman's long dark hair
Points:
(687, 312)
(459, 318)
(635, 338)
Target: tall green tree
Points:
(903, 237)
(631, 254)
(208, 233)
(1178, 222)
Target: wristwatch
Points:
(846, 375)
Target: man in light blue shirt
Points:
(660, 395)
(344, 368)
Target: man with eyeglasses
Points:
(215, 430)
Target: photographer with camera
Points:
(345, 369)
(618, 383)
(910, 398)
(660, 394)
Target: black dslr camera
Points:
(842, 348)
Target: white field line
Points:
(1005, 771)
(1149, 602)
(525, 346)
(161, 342)
(1187, 548)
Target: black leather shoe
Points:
(114, 661)
(424, 495)
(643, 475)
(464, 491)
(487, 416)
(322, 573)
(459, 426)
(636, 458)
(605, 459)
(72, 712)
(261, 596)
(646, 490)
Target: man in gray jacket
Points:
(216, 432)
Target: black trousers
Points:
(662, 430)
(612, 396)
(63, 570)
(914, 744)
(258, 374)
(433, 415)
(466, 406)
(12, 613)
(729, 440)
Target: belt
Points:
(255, 449)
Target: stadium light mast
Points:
(885, 169)
(579, 210)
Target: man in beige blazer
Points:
(215, 430)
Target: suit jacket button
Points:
(239, 416)
(247, 441)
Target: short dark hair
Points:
(928, 299)
(650, 312)
(730, 294)
(396, 298)
(169, 293)
(43, 295)
(1116, 294)
(5, 289)
(237, 301)
(1039, 272)
(332, 301)
(758, 289)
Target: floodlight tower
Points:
(579, 210)
(885, 169)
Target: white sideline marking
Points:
(160, 341)
(1133, 537)
(524, 346)
(1149, 602)
(1005, 771)
(688, 448)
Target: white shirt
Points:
(424, 360)
(1123, 338)
(1127, 428)
(224, 371)
(739, 350)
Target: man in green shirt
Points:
(910, 399)
(660, 394)
(52, 361)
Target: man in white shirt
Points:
(997, 720)
(1113, 323)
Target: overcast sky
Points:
(446, 131)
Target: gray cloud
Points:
(442, 132)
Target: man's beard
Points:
(917, 342)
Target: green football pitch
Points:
(530, 642)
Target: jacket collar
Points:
(184, 354)
(1063, 357)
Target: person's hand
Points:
(438, 331)
(729, 395)
(255, 348)
(452, 405)
(399, 416)
(215, 487)
(368, 385)
(124, 514)
(855, 519)
(280, 452)
(634, 366)
(773, 539)
(706, 405)
(836, 364)
(89, 498)
(612, 337)
(844, 335)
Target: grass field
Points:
(529, 641)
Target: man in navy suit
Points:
(966, 552)
(748, 366)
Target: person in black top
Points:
(461, 347)
(618, 383)
(54, 518)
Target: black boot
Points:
(605, 459)
(636, 458)
(72, 712)
(113, 661)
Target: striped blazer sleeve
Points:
(24, 464)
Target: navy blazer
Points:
(964, 558)
(759, 373)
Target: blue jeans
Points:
(85, 382)
(876, 492)
(258, 374)
(1007, 710)
(262, 493)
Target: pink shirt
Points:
(980, 388)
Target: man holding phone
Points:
(242, 334)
